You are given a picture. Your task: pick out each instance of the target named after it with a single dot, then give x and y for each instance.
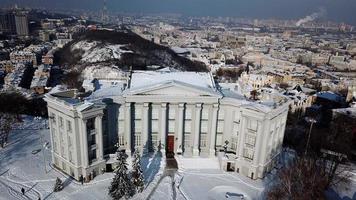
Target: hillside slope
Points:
(123, 49)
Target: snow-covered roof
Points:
(330, 96)
(142, 79)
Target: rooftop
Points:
(145, 78)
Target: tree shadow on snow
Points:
(151, 164)
(67, 181)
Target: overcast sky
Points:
(336, 10)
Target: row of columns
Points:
(163, 120)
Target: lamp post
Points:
(311, 121)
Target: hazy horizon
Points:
(335, 10)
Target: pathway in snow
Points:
(168, 177)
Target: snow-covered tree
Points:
(58, 186)
(121, 185)
(137, 175)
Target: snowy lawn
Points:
(22, 165)
(201, 178)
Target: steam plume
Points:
(311, 17)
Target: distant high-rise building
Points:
(105, 16)
(21, 21)
(7, 23)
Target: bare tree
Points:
(302, 179)
(335, 149)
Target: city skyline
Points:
(338, 11)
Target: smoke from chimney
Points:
(311, 17)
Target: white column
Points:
(180, 127)
(145, 119)
(214, 122)
(163, 127)
(85, 161)
(128, 128)
(197, 118)
(99, 137)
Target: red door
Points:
(170, 144)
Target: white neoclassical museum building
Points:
(183, 113)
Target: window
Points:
(138, 113)
(187, 140)
(60, 122)
(54, 134)
(204, 126)
(91, 124)
(205, 114)
(248, 153)
(234, 143)
(91, 140)
(53, 118)
(155, 127)
(70, 157)
(171, 126)
(253, 125)
(64, 166)
(154, 140)
(92, 156)
(250, 139)
(188, 114)
(155, 113)
(221, 114)
(62, 151)
(137, 125)
(219, 139)
(203, 140)
(70, 143)
(171, 113)
(137, 140)
(220, 127)
(236, 128)
(55, 147)
(69, 126)
(187, 126)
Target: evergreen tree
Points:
(58, 186)
(121, 185)
(137, 175)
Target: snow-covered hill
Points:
(98, 52)
(124, 49)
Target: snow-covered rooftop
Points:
(144, 78)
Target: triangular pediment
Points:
(173, 89)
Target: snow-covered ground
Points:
(201, 178)
(22, 165)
